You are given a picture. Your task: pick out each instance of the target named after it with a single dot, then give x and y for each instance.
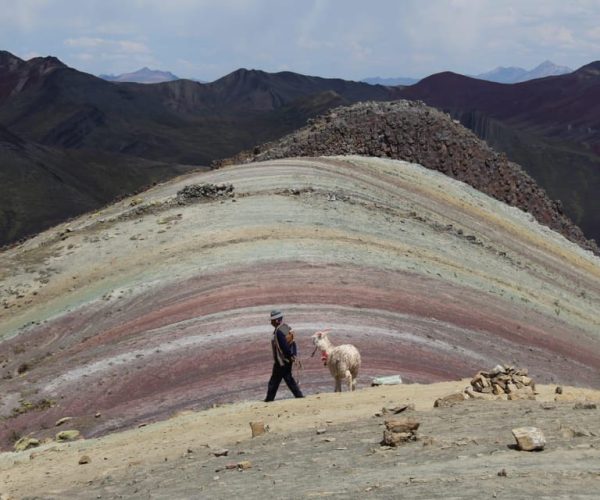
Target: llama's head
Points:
(320, 340)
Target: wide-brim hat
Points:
(275, 314)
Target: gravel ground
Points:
(464, 451)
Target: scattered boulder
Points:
(69, 435)
(220, 452)
(449, 400)
(258, 428)
(84, 459)
(25, 443)
(402, 425)
(63, 420)
(397, 409)
(399, 431)
(529, 438)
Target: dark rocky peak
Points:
(17, 76)
(591, 70)
(251, 79)
(445, 82)
(243, 75)
(46, 64)
(9, 62)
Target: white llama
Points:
(343, 361)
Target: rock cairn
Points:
(503, 381)
(415, 132)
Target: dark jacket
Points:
(282, 351)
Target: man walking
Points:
(284, 354)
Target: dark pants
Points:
(285, 373)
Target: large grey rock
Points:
(529, 438)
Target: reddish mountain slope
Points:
(158, 304)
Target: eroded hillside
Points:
(161, 302)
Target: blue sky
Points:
(350, 39)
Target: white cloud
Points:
(101, 55)
(593, 33)
(558, 37)
(24, 14)
(119, 46)
(84, 56)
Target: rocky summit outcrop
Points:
(412, 131)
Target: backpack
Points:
(289, 337)
(290, 340)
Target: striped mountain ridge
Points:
(160, 302)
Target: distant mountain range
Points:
(377, 80)
(500, 74)
(127, 135)
(515, 75)
(144, 75)
(71, 142)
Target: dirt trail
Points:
(467, 445)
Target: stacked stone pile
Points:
(503, 380)
(415, 132)
(399, 431)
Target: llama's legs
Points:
(348, 378)
(338, 384)
(353, 383)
